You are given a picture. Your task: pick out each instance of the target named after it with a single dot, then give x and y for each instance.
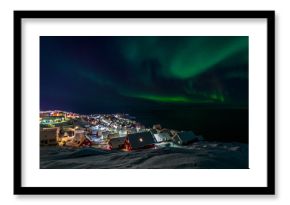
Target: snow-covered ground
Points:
(200, 155)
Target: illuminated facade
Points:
(49, 136)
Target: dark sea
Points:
(224, 125)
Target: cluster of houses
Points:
(114, 132)
(52, 118)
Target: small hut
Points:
(184, 138)
(162, 137)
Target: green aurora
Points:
(161, 69)
(180, 59)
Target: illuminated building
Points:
(49, 136)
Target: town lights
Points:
(140, 139)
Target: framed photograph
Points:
(144, 102)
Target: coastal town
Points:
(107, 131)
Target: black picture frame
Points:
(269, 189)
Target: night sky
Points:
(197, 83)
(126, 74)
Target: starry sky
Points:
(107, 74)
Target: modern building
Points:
(49, 136)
